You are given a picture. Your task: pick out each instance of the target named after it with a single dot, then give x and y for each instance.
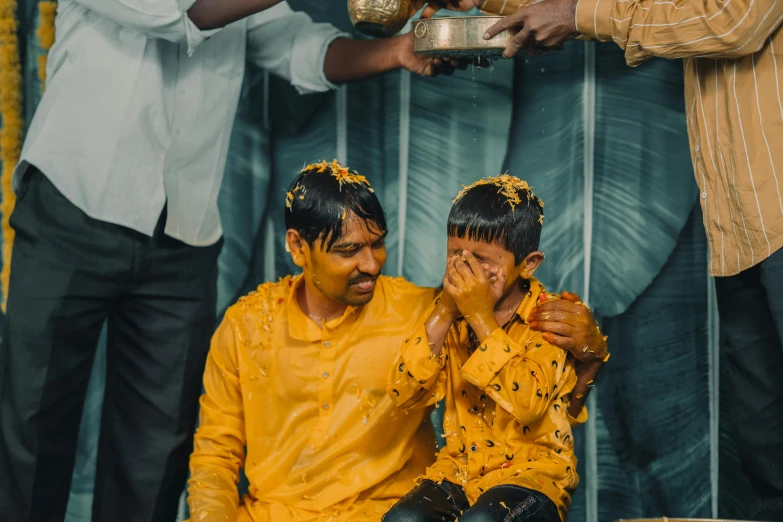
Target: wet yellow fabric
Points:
(506, 418)
(324, 441)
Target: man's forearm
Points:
(586, 374)
(212, 14)
(352, 60)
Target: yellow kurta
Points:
(324, 441)
(506, 419)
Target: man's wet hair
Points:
(321, 198)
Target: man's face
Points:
(348, 271)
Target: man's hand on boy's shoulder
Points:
(569, 324)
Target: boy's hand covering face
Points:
(473, 289)
(446, 301)
(497, 278)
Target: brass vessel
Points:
(458, 37)
(381, 18)
(384, 18)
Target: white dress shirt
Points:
(140, 103)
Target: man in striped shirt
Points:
(735, 123)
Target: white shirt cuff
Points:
(308, 56)
(194, 36)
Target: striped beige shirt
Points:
(732, 50)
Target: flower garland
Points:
(47, 9)
(11, 111)
(11, 132)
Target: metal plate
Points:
(458, 37)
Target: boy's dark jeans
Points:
(505, 503)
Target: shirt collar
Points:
(300, 326)
(531, 299)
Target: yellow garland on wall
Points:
(11, 132)
(11, 111)
(47, 9)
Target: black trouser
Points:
(751, 318)
(431, 502)
(70, 274)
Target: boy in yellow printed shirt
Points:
(509, 449)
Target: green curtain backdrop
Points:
(605, 147)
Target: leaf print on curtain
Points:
(459, 129)
(644, 184)
(653, 434)
(243, 194)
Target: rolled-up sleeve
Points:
(165, 19)
(518, 376)
(680, 28)
(290, 45)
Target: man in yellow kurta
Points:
(509, 453)
(296, 375)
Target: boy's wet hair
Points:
(321, 197)
(499, 209)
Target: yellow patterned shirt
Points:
(303, 407)
(506, 419)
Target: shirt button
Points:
(328, 344)
(325, 406)
(704, 195)
(698, 148)
(325, 375)
(178, 131)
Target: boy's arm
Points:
(417, 379)
(521, 377)
(219, 445)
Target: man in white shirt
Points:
(117, 220)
